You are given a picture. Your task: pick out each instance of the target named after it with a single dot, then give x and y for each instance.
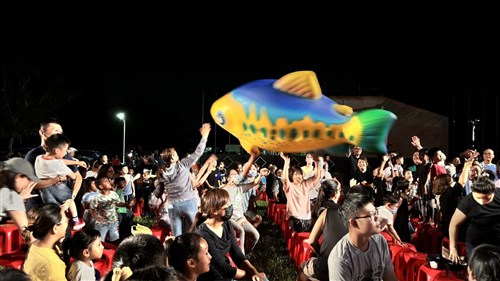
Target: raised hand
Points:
(284, 156)
(205, 130)
(415, 141)
(26, 192)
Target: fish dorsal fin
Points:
(343, 109)
(300, 83)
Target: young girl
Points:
(387, 213)
(216, 209)
(298, 207)
(139, 257)
(43, 261)
(84, 246)
(188, 255)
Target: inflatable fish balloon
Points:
(292, 115)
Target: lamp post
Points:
(474, 125)
(121, 116)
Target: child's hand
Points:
(131, 203)
(82, 164)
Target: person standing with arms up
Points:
(176, 182)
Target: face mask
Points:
(228, 214)
(394, 211)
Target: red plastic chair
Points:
(263, 196)
(421, 237)
(395, 249)
(285, 227)
(138, 209)
(290, 242)
(297, 245)
(279, 212)
(104, 264)
(158, 232)
(461, 247)
(452, 277)
(387, 236)
(304, 254)
(413, 262)
(11, 238)
(399, 262)
(435, 237)
(14, 259)
(270, 208)
(426, 273)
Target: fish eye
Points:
(220, 118)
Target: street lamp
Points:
(121, 116)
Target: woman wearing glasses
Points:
(362, 254)
(43, 262)
(214, 226)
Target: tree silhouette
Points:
(27, 94)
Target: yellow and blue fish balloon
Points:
(292, 115)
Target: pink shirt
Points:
(298, 204)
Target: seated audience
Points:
(362, 254)
(213, 225)
(188, 255)
(43, 261)
(484, 263)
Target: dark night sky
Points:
(166, 87)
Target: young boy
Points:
(129, 190)
(103, 209)
(91, 192)
(52, 164)
(125, 216)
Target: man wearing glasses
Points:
(362, 254)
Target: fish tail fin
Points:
(338, 150)
(375, 127)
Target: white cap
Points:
(72, 149)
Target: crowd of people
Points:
(67, 209)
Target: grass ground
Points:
(270, 255)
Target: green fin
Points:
(376, 124)
(338, 150)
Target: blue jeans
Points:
(182, 215)
(108, 229)
(56, 193)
